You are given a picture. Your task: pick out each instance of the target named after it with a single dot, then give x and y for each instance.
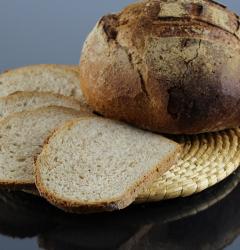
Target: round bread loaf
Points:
(167, 66)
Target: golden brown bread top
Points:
(167, 66)
(183, 12)
(174, 18)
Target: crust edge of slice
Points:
(117, 203)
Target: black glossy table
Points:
(53, 31)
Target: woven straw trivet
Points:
(206, 160)
(205, 200)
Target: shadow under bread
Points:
(208, 219)
(23, 215)
(215, 228)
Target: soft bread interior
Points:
(21, 138)
(96, 161)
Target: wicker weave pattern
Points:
(206, 160)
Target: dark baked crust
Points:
(167, 66)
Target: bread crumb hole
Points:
(9, 127)
(25, 104)
(1, 83)
(73, 92)
(21, 159)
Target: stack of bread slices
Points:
(52, 144)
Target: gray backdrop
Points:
(52, 31)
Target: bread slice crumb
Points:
(94, 164)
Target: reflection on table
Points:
(210, 220)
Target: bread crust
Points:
(49, 67)
(121, 202)
(166, 71)
(13, 80)
(16, 96)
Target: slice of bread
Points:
(59, 79)
(21, 138)
(94, 164)
(24, 101)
